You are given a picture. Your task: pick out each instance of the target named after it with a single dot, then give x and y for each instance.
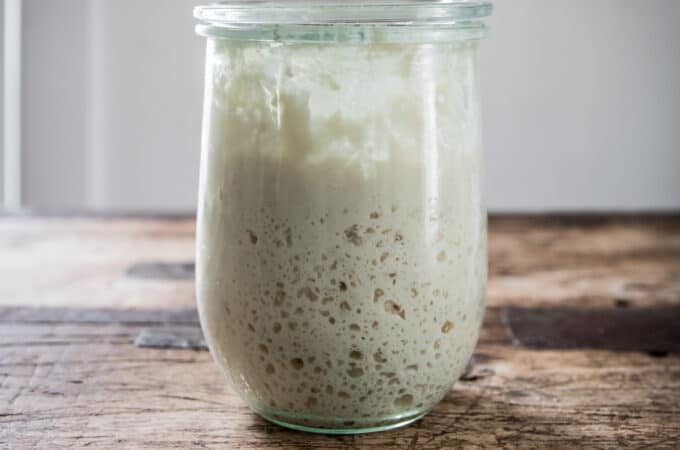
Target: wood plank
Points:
(86, 384)
(592, 261)
(587, 261)
(83, 262)
(652, 330)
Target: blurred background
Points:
(102, 105)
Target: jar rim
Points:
(249, 13)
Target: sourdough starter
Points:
(342, 235)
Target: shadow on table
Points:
(465, 418)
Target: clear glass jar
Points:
(341, 248)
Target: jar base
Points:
(381, 424)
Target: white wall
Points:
(112, 104)
(55, 111)
(581, 102)
(2, 96)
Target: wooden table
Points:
(580, 345)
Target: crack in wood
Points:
(156, 270)
(188, 339)
(652, 330)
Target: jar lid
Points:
(243, 13)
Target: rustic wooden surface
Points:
(75, 293)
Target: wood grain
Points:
(71, 376)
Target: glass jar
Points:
(341, 243)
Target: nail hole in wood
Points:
(621, 303)
(470, 378)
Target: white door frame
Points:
(12, 198)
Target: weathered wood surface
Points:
(71, 376)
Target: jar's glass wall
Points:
(341, 232)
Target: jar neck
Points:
(349, 33)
